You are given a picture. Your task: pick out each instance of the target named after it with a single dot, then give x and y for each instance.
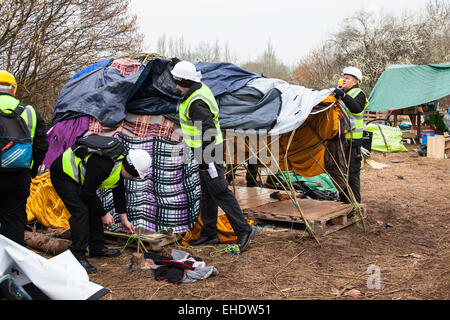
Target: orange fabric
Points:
(307, 140)
(225, 232)
(45, 205)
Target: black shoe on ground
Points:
(204, 240)
(244, 240)
(87, 266)
(105, 252)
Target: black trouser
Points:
(14, 192)
(354, 169)
(215, 194)
(86, 227)
(251, 174)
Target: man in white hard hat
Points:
(20, 157)
(77, 188)
(354, 100)
(199, 120)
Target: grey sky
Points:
(293, 27)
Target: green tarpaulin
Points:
(319, 182)
(403, 86)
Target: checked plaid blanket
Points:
(169, 197)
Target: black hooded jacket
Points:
(357, 104)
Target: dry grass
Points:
(413, 255)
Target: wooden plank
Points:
(334, 228)
(339, 220)
(150, 237)
(333, 214)
(153, 242)
(313, 210)
(436, 146)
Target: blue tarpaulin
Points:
(92, 67)
(107, 95)
(101, 94)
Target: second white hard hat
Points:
(141, 161)
(353, 71)
(185, 70)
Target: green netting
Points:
(386, 138)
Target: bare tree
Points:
(228, 56)
(44, 42)
(269, 65)
(161, 46)
(372, 42)
(318, 69)
(437, 27)
(202, 51)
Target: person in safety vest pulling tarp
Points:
(354, 100)
(199, 120)
(76, 177)
(23, 145)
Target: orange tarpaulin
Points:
(307, 149)
(225, 232)
(45, 205)
(310, 140)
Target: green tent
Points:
(403, 86)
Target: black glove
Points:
(339, 93)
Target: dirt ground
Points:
(406, 243)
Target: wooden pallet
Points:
(372, 115)
(152, 241)
(324, 217)
(438, 146)
(252, 197)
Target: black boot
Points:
(203, 240)
(87, 266)
(244, 240)
(105, 252)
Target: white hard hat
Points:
(353, 71)
(185, 70)
(141, 161)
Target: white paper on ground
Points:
(60, 278)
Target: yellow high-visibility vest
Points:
(192, 135)
(356, 119)
(74, 167)
(28, 114)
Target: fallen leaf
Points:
(353, 293)
(335, 292)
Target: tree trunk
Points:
(45, 243)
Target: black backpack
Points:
(16, 149)
(108, 147)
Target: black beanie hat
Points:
(129, 167)
(185, 83)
